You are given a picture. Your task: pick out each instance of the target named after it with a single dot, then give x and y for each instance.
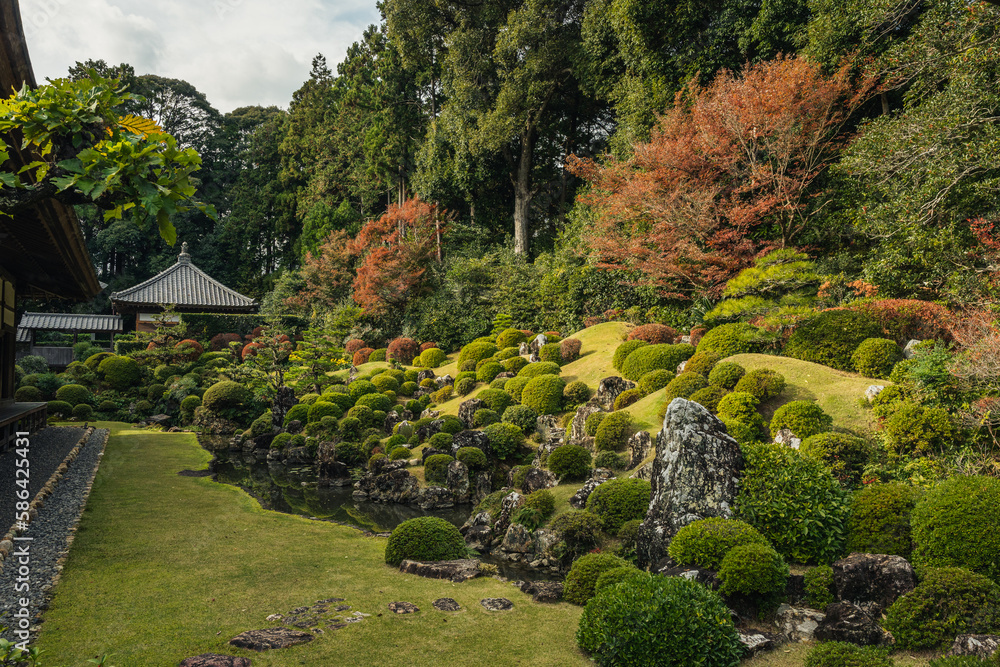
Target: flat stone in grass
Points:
(454, 570)
(496, 604)
(270, 638)
(446, 604)
(215, 660)
(403, 607)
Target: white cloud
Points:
(237, 52)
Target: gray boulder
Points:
(872, 581)
(470, 439)
(787, 438)
(983, 646)
(467, 410)
(538, 479)
(608, 390)
(638, 447)
(577, 433)
(270, 638)
(845, 622)
(873, 390)
(536, 345)
(508, 506)
(798, 624)
(579, 499)
(458, 481)
(430, 428)
(518, 539)
(452, 570)
(910, 349)
(215, 660)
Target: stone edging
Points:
(7, 543)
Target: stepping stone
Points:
(215, 660)
(343, 607)
(403, 607)
(274, 617)
(336, 626)
(446, 604)
(329, 600)
(497, 604)
(270, 638)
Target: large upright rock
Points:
(873, 581)
(608, 390)
(695, 476)
(467, 410)
(577, 431)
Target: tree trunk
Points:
(522, 192)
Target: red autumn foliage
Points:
(428, 345)
(654, 334)
(189, 349)
(696, 335)
(220, 342)
(353, 346)
(570, 349)
(327, 274)
(977, 336)
(402, 350)
(908, 319)
(250, 350)
(736, 156)
(361, 356)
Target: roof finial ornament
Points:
(184, 257)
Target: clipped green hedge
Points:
(436, 468)
(729, 339)
(726, 374)
(504, 439)
(539, 368)
(876, 357)
(880, 519)
(755, 570)
(424, 538)
(654, 357)
(476, 352)
(544, 394)
(570, 462)
(844, 454)
(684, 385)
(705, 542)
(619, 500)
(762, 383)
(583, 574)
(613, 432)
(831, 338)
(625, 349)
(803, 418)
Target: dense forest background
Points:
(542, 162)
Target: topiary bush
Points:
(729, 339)
(663, 621)
(884, 402)
(496, 400)
(579, 530)
(514, 364)
(398, 453)
(522, 417)
(476, 352)
(569, 462)
(740, 406)
(504, 439)
(472, 457)
(488, 371)
(484, 417)
(28, 395)
(726, 374)
(702, 362)
(298, 412)
(60, 409)
(957, 523)
(762, 383)
(75, 394)
(619, 500)
(684, 385)
(654, 334)
(385, 382)
(754, 570)
(844, 454)
(463, 387)
(913, 429)
(551, 352)
(83, 412)
(948, 601)
(436, 468)
(359, 388)
(226, 396)
(403, 350)
(576, 392)
(831, 338)
(844, 654)
(875, 357)
(321, 409)
(803, 418)
(625, 349)
(880, 519)
(619, 575)
(120, 373)
(705, 542)
(440, 441)
(542, 501)
(538, 369)
(708, 397)
(570, 349)
(819, 585)
(612, 461)
(613, 432)
(654, 381)
(583, 574)
(794, 502)
(375, 401)
(593, 422)
(431, 358)
(627, 398)
(153, 393)
(653, 357)
(424, 538)
(511, 338)
(544, 394)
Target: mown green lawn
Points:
(164, 567)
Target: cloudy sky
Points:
(237, 52)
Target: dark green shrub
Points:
(511, 338)
(794, 502)
(281, 440)
(569, 462)
(504, 439)
(663, 621)
(913, 429)
(625, 349)
(298, 412)
(350, 428)
(875, 357)
(442, 394)
(476, 352)
(385, 382)
(424, 538)
(463, 387)
(297, 441)
(844, 654)
(583, 574)
(142, 407)
(551, 352)
(522, 417)
(83, 412)
(578, 529)
(729, 339)
(948, 601)
(375, 461)
(965, 661)
(613, 432)
(75, 394)
(488, 371)
(410, 388)
(762, 383)
(593, 422)
(452, 424)
(514, 364)
(627, 536)
(472, 457)
(362, 413)
(958, 523)
(515, 386)
(542, 501)
(619, 500)
(188, 406)
(831, 338)
(576, 392)
(845, 455)
(627, 398)
(654, 381)
(110, 406)
(226, 396)
(28, 395)
(706, 542)
(431, 358)
(394, 441)
(803, 418)
(884, 403)
(538, 369)
(397, 453)
(744, 434)
(496, 400)
(93, 362)
(377, 355)
(120, 373)
(359, 388)
(350, 453)
(880, 519)
(726, 375)
(819, 585)
(342, 400)
(153, 393)
(654, 357)
(436, 468)
(544, 394)
(485, 417)
(440, 441)
(262, 425)
(618, 575)
(321, 409)
(611, 461)
(498, 383)
(684, 385)
(702, 362)
(375, 402)
(755, 570)
(708, 397)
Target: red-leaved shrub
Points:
(361, 356)
(189, 349)
(220, 342)
(696, 334)
(428, 345)
(654, 334)
(402, 350)
(570, 349)
(353, 346)
(250, 350)
(908, 319)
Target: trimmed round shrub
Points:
(110, 406)
(226, 395)
(612, 461)
(705, 542)
(385, 382)
(514, 364)
(569, 462)
(375, 462)
(504, 439)
(729, 339)
(627, 398)
(498, 383)
(875, 357)
(403, 350)
(60, 409)
(654, 334)
(593, 422)
(684, 385)
(281, 440)
(884, 403)
(913, 429)
(794, 502)
(844, 454)
(762, 383)
(948, 601)
(442, 394)
(755, 570)
(472, 457)
(538, 369)
(726, 375)
(350, 428)
(362, 356)
(819, 585)
(515, 386)
(803, 418)
(880, 519)
(431, 358)
(375, 402)
(93, 362)
(845, 654)
(83, 412)
(619, 575)
(583, 574)
(504, 354)
(261, 425)
(153, 393)
(440, 441)
(742, 433)
(522, 417)
(708, 397)
(485, 417)
(359, 388)
(298, 412)
(578, 529)
(424, 538)
(164, 372)
(544, 394)
(452, 424)
(321, 409)
(957, 523)
(702, 362)
(398, 453)
(542, 501)
(511, 338)
(613, 433)
(496, 400)
(476, 352)
(831, 338)
(551, 352)
(463, 387)
(655, 380)
(120, 373)
(653, 357)
(488, 371)
(663, 621)
(625, 349)
(350, 453)
(576, 392)
(436, 468)
(570, 349)
(362, 413)
(740, 406)
(619, 500)
(28, 395)
(354, 345)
